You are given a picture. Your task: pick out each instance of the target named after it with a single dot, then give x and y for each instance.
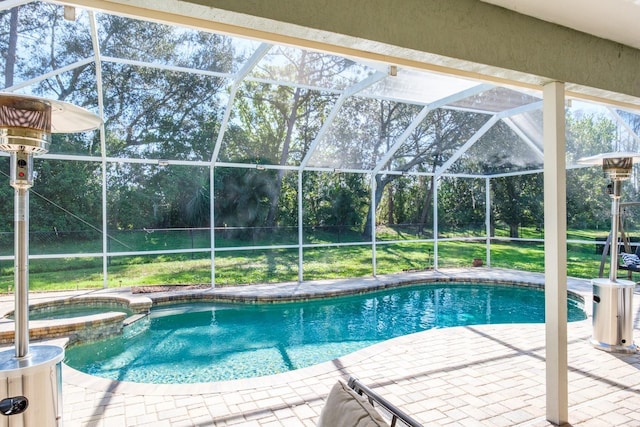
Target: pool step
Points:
(77, 329)
(135, 325)
(132, 319)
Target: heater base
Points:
(613, 315)
(632, 348)
(31, 387)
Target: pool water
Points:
(204, 342)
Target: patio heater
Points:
(31, 376)
(612, 297)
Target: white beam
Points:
(555, 248)
(622, 122)
(10, 4)
(516, 129)
(326, 126)
(165, 67)
(476, 136)
(233, 89)
(420, 117)
(487, 218)
(52, 73)
(103, 148)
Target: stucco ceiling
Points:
(616, 20)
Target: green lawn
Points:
(270, 266)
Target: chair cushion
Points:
(630, 259)
(346, 408)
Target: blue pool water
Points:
(74, 310)
(203, 342)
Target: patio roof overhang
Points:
(468, 38)
(466, 56)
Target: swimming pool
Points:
(207, 341)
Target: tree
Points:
(155, 113)
(334, 202)
(517, 201)
(437, 137)
(284, 119)
(149, 112)
(10, 55)
(588, 205)
(242, 200)
(47, 42)
(77, 209)
(6, 195)
(461, 202)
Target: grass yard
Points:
(281, 265)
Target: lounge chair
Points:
(352, 405)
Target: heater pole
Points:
(21, 181)
(615, 220)
(21, 265)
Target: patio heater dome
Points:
(616, 165)
(25, 124)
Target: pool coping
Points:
(295, 291)
(74, 328)
(581, 288)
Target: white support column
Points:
(212, 222)
(103, 149)
(555, 245)
(374, 254)
(300, 229)
(487, 218)
(435, 222)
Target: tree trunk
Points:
(426, 205)
(390, 205)
(275, 196)
(514, 230)
(380, 185)
(11, 49)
